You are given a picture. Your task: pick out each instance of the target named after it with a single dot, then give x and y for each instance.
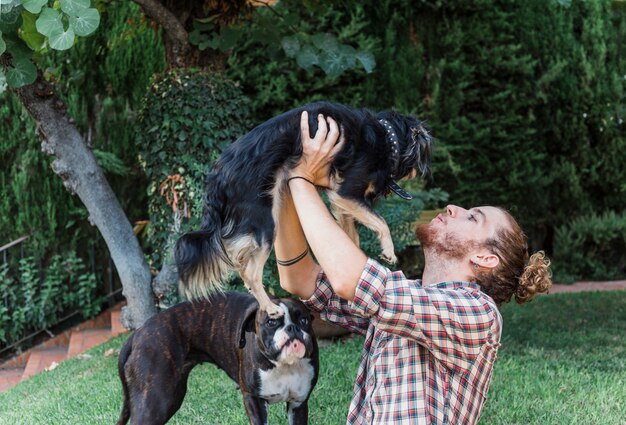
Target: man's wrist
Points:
(300, 178)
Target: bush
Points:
(591, 247)
(187, 118)
(31, 300)
(526, 99)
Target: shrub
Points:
(32, 299)
(187, 118)
(526, 99)
(591, 247)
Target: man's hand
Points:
(318, 153)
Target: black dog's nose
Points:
(291, 328)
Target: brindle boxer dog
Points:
(271, 360)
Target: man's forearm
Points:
(299, 278)
(341, 260)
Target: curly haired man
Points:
(430, 344)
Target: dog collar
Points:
(392, 138)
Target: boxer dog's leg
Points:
(298, 413)
(256, 409)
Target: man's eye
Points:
(472, 217)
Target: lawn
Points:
(563, 361)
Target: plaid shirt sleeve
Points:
(334, 309)
(452, 324)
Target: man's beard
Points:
(451, 247)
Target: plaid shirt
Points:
(428, 353)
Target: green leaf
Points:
(17, 47)
(196, 37)
(331, 61)
(3, 45)
(307, 57)
(73, 7)
(324, 41)
(10, 21)
(291, 46)
(34, 6)
(86, 22)
(7, 5)
(61, 40)
(348, 56)
(22, 73)
(49, 21)
(29, 33)
(229, 37)
(3, 82)
(367, 60)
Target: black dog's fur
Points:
(245, 185)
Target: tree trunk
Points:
(76, 165)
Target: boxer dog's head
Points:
(284, 340)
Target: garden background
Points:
(526, 101)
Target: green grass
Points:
(563, 361)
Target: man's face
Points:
(460, 233)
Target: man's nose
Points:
(454, 210)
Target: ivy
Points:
(187, 118)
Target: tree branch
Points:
(174, 29)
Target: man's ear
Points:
(248, 324)
(486, 260)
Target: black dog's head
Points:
(284, 340)
(413, 141)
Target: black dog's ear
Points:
(248, 324)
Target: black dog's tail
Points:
(201, 258)
(124, 354)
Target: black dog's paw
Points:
(389, 258)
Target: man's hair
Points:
(516, 274)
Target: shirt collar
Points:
(455, 285)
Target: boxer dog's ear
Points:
(248, 324)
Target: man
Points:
(430, 344)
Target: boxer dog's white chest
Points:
(290, 382)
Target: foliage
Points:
(188, 117)
(309, 49)
(31, 204)
(31, 300)
(32, 201)
(482, 110)
(29, 26)
(591, 247)
(273, 81)
(533, 125)
(526, 99)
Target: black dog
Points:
(271, 360)
(245, 186)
